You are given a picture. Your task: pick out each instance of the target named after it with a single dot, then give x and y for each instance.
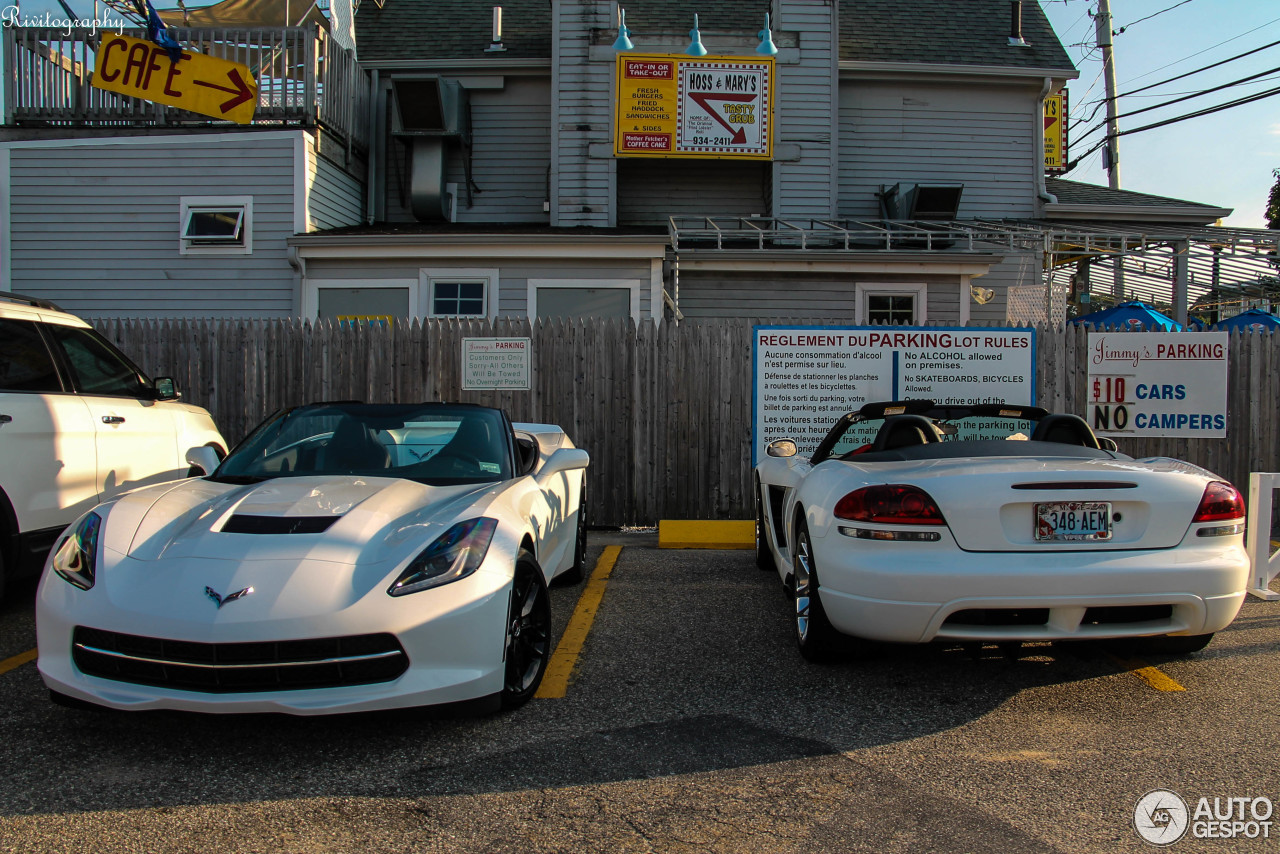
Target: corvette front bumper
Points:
(453, 637)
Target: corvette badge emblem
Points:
(218, 598)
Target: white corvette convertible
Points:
(912, 522)
(345, 557)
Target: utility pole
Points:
(1111, 151)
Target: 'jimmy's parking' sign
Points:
(1170, 384)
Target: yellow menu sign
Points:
(202, 84)
(680, 106)
(1055, 132)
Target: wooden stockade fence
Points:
(664, 410)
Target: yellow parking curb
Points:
(564, 661)
(706, 534)
(17, 661)
(1153, 676)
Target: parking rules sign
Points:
(1171, 384)
(805, 377)
(496, 363)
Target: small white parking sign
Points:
(496, 363)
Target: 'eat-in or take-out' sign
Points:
(202, 84)
(718, 107)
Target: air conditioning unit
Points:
(921, 201)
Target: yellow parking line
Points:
(17, 661)
(1153, 676)
(555, 682)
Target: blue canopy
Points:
(1255, 319)
(1130, 315)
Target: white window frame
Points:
(862, 290)
(633, 286)
(189, 246)
(311, 294)
(428, 276)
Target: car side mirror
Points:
(204, 458)
(1106, 443)
(166, 389)
(781, 448)
(564, 460)
(526, 455)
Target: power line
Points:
(1167, 94)
(1206, 50)
(1149, 17)
(1206, 111)
(1184, 98)
(1198, 70)
(1099, 104)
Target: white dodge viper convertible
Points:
(912, 522)
(345, 557)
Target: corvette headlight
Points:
(77, 557)
(457, 553)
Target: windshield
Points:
(436, 444)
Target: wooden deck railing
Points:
(305, 78)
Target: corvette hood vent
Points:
(242, 523)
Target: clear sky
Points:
(1223, 159)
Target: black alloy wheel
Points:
(528, 647)
(578, 571)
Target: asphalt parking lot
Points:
(690, 723)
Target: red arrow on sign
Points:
(701, 98)
(241, 92)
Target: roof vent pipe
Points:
(496, 44)
(1015, 25)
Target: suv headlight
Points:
(77, 557)
(456, 553)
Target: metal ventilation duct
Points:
(429, 113)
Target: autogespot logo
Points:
(1160, 817)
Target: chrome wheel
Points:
(803, 574)
(815, 635)
(764, 559)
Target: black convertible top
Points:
(923, 429)
(985, 448)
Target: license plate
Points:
(1063, 521)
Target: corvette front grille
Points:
(228, 668)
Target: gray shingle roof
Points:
(451, 29)
(957, 32)
(676, 16)
(952, 32)
(1076, 193)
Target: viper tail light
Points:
(890, 504)
(1221, 501)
